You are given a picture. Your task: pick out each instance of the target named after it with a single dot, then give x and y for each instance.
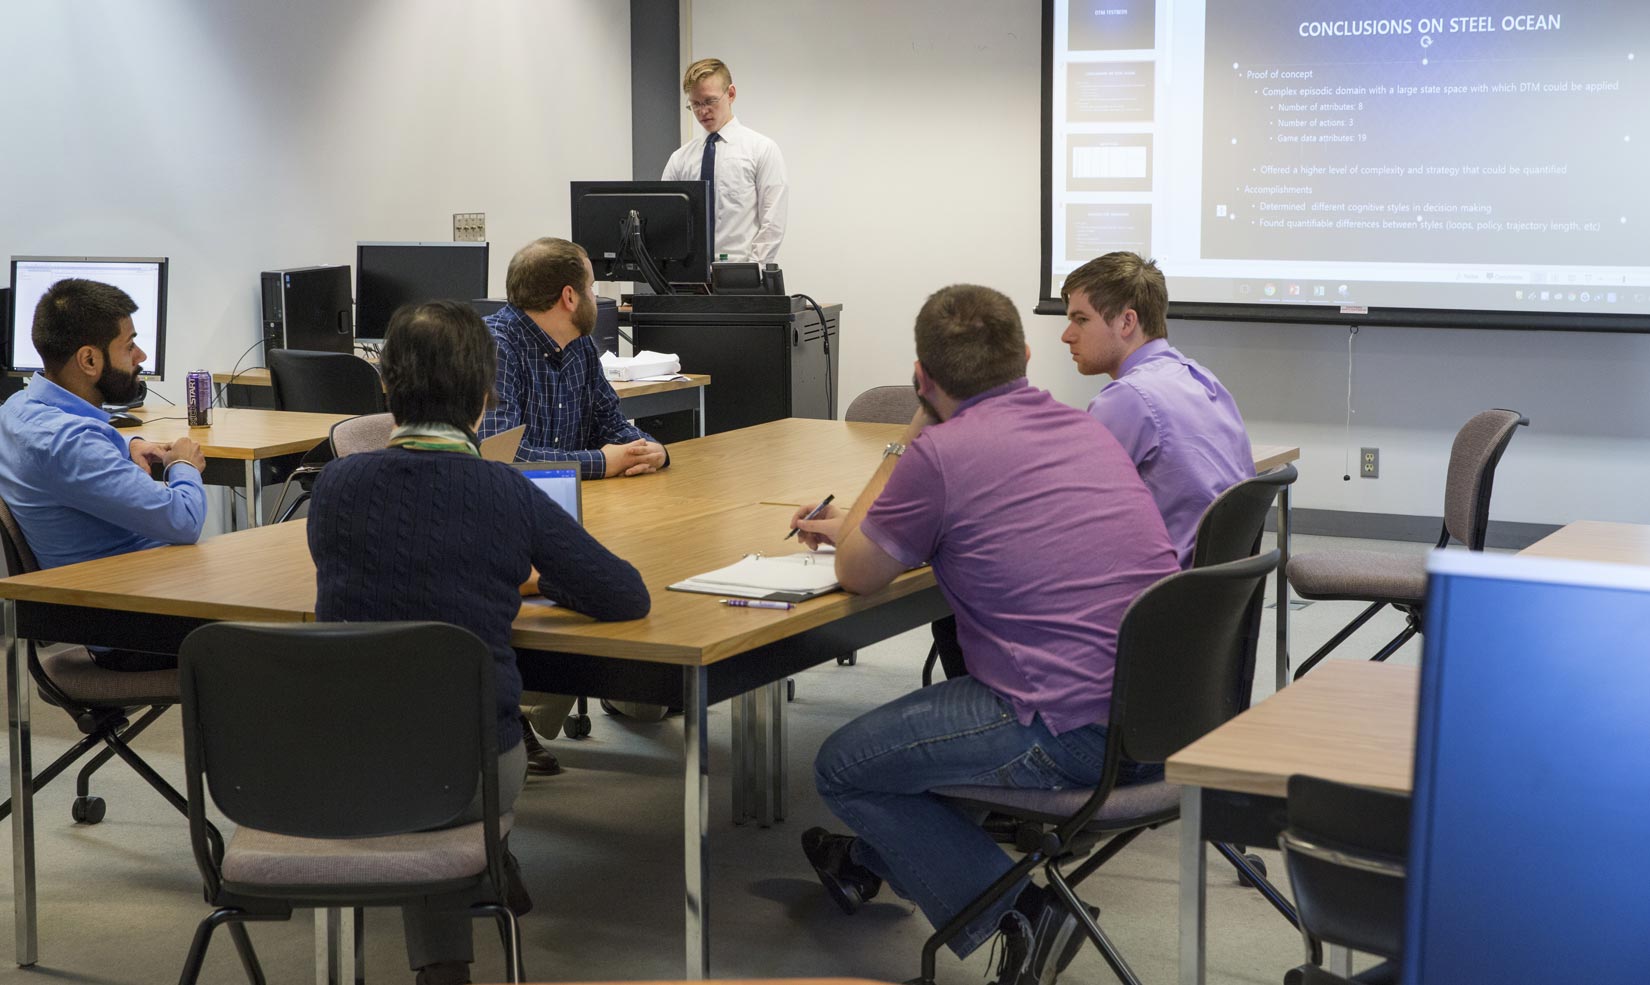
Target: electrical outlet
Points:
(1369, 463)
(469, 227)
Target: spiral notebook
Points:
(780, 578)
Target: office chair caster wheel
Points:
(1255, 862)
(88, 810)
(790, 689)
(848, 660)
(576, 726)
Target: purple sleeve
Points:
(907, 519)
(1129, 418)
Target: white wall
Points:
(238, 135)
(911, 130)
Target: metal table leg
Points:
(1338, 960)
(22, 789)
(695, 808)
(338, 958)
(1193, 896)
(254, 495)
(699, 415)
(759, 755)
(746, 797)
(1283, 588)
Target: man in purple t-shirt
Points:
(1040, 533)
(1180, 427)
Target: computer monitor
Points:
(668, 242)
(1532, 773)
(144, 278)
(389, 275)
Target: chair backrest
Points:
(338, 730)
(1232, 526)
(324, 382)
(369, 432)
(883, 405)
(1185, 663)
(1472, 461)
(1346, 849)
(19, 558)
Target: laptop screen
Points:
(559, 481)
(1532, 774)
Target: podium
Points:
(769, 355)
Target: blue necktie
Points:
(707, 172)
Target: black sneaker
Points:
(850, 885)
(1038, 941)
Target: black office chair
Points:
(1176, 679)
(1346, 848)
(100, 701)
(320, 383)
(339, 750)
(324, 382)
(1400, 580)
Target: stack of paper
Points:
(787, 577)
(642, 365)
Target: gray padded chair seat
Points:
(261, 858)
(1364, 575)
(72, 670)
(1128, 806)
(883, 405)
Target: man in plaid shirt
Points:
(549, 370)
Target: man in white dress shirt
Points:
(746, 171)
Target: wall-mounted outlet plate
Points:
(469, 227)
(1369, 463)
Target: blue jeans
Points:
(874, 774)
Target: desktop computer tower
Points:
(308, 308)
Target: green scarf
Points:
(434, 437)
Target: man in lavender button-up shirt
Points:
(1177, 423)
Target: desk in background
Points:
(252, 388)
(1349, 720)
(240, 443)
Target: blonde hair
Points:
(703, 69)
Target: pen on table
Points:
(756, 604)
(812, 513)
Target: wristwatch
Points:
(894, 448)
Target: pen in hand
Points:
(811, 514)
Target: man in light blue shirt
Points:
(79, 489)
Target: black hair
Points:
(439, 364)
(74, 313)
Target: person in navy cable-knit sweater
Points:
(427, 529)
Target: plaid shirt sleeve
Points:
(509, 390)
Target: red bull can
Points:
(198, 389)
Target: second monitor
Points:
(389, 275)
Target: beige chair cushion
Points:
(259, 858)
(1364, 575)
(84, 682)
(1127, 807)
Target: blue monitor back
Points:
(1530, 833)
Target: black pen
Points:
(812, 513)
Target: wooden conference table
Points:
(636, 398)
(1349, 720)
(723, 496)
(239, 442)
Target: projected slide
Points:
(1486, 155)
